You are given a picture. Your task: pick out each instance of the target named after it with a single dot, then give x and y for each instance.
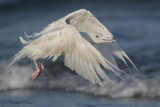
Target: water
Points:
(135, 25)
(28, 98)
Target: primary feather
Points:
(63, 37)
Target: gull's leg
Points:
(37, 71)
(41, 65)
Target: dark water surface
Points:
(30, 98)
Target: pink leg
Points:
(38, 70)
(41, 65)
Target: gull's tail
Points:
(21, 54)
(25, 51)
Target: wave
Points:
(19, 77)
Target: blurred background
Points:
(135, 24)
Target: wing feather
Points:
(118, 52)
(106, 52)
(109, 51)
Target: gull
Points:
(87, 55)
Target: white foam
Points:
(14, 77)
(18, 77)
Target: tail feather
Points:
(24, 41)
(21, 54)
(34, 35)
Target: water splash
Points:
(19, 77)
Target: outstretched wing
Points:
(106, 51)
(80, 55)
(109, 51)
(84, 21)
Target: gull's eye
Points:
(97, 36)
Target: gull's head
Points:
(100, 38)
